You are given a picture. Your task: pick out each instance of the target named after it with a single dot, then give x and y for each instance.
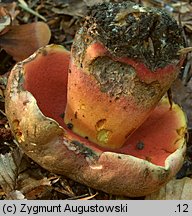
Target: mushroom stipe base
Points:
(35, 100)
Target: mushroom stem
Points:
(123, 61)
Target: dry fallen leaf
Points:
(89, 197)
(3, 84)
(176, 189)
(20, 41)
(5, 19)
(75, 7)
(182, 7)
(32, 187)
(8, 14)
(11, 9)
(23, 40)
(9, 166)
(19, 180)
(15, 195)
(182, 95)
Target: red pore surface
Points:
(46, 79)
(155, 140)
(158, 136)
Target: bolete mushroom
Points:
(95, 115)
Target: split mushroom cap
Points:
(36, 96)
(123, 60)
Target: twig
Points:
(186, 72)
(170, 98)
(1, 111)
(184, 51)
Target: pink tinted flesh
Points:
(157, 138)
(46, 79)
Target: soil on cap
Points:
(130, 30)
